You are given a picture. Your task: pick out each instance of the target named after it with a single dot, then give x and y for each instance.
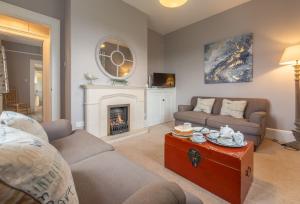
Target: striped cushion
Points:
(33, 166)
(24, 123)
(9, 195)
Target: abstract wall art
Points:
(229, 61)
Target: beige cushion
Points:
(109, 178)
(24, 123)
(57, 129)
(8, 195)
(233, 108)
(79, 146)
(204, 105)
(33, 166)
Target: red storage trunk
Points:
(226, 172)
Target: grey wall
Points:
(55, 9)
(92, 20)
(18, 66)
(275, 24)
(155, 52)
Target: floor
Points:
(276, 170)
(37, 114)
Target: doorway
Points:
(28, 68)
(28, 23)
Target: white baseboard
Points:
(124, 136)
(79, 125)
(281, 136)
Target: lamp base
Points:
(296, 144)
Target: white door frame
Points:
(54, 26)
(32, 76)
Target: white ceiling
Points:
(165, 20)
(20, 39)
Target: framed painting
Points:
(229, 61)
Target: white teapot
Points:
(226, 132)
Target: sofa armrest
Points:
(158, 193)
(57, 129)
(258, 117)
(182, 108)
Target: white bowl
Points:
(198, 139)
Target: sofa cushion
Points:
(192, 116)
(109, 178)
(24, 123)
(33, 166)
(165, 193)
(233, 108)
(80, 145)
(9, 195)
(253, 104)
(57, 129)
(236, 123)
(204, 105)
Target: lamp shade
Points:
(172, 3)
(291, 56)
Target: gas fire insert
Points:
(118, 119)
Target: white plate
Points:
(181, 128)
(214, 135)
(181, 136)
(226, 145)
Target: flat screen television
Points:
(164, 80)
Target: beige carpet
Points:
(276, 170)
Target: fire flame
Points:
(119, 119)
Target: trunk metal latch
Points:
(194, 157)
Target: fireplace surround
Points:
(97, 99)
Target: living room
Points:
(161, 101)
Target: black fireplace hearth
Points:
(118, 119)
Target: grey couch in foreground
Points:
(103, 176)
(253, 126)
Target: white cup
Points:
(187, 125)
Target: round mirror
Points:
(115, 58)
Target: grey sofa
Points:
(103, 176)
(253, 126)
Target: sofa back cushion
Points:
(204, 105)
(57, 129)
(235, 109)
(33, 166)
(253, 104)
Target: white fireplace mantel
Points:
(99, 97)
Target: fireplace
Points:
(118, 119)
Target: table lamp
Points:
(291, 56)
